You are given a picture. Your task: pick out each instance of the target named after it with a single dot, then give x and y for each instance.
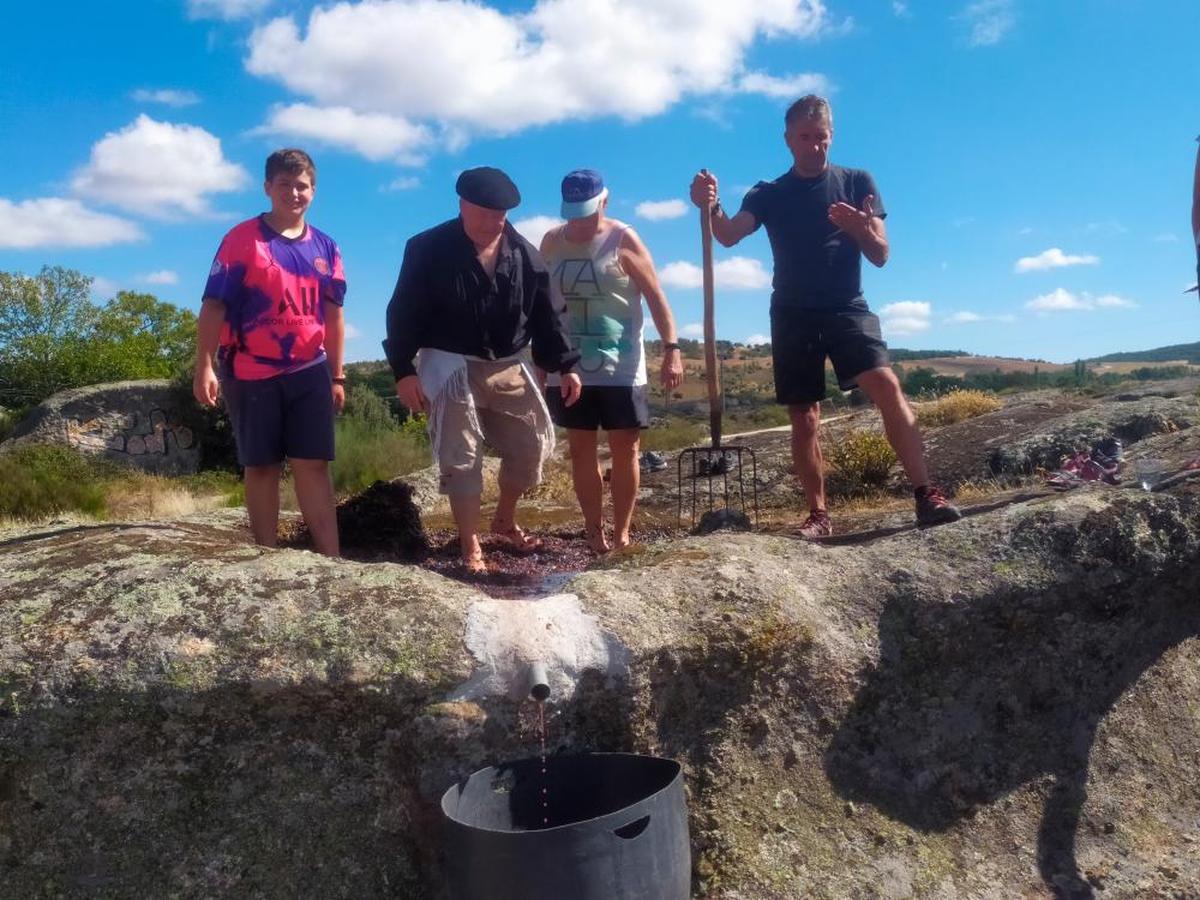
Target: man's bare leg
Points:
(504, 522)
(899, 422)
(314, 492)
(262, 502)
(807, 461)
(465, 509)
(626, 477)
(589, 486)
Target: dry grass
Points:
(957, 406)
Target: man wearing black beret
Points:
(472, 293)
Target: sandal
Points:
(516, 540)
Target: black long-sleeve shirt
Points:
(444, 299)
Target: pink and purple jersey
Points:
(273, 288)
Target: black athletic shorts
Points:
(801, 339)
(610, 408)
(285, 416)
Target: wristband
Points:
(717, 210)
(669, 345)
(339, 380)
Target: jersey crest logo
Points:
(321, 265)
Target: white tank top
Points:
(604, 309)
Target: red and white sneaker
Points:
(816, 525)
(933, 508)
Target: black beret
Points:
(487, 187)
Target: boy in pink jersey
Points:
(272, 314)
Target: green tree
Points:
(53, 337)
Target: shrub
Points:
(38, 480)
(367, 453)
(673, 434)
(861, 461)
(368, 408)
(957, 406)
(8, 421)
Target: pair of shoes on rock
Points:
(652, 461)
(706, 467)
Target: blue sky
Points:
(1035, 156)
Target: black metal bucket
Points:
(616, 830)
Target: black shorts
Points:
(610, 408)
(285, 416)
(801, 339)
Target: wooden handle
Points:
(715, 400)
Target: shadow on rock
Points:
(972, 699)
(280, 791)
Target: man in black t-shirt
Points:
(1196, 213)
(821, 219)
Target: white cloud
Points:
(906, 317)
(158, 169)
(56, 222)
(534, 228)
(373, 135)
(756, 339)
(900, 8)
(787, 88)
(402, 183)
(162, 276)
(1166, 237)
(474, 69)
(966, 317)
(1061, 300)
(1024, 230)
(166, 96)
(352, 333)
(655, 210)
(1053, 258)
(228, 10)
(693, 330)
(989, 21)
(738, 273)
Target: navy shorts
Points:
(610, 408)
(801, 339)
(286, 416)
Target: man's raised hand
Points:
(704, 189)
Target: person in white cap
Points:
(604, 271)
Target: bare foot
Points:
(621, 541)
(595, 538)
(472, 557)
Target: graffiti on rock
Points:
(134, 434)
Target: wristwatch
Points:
(669, 345)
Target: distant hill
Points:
(899, 354)
(1189, 352)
